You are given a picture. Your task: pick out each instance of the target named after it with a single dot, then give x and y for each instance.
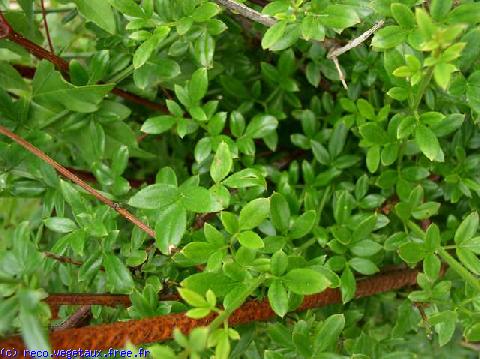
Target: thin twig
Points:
(356, 41)
(45, 23)
(7, 32)
(341, 75)
(334, 53)
(62, 259)
(77, 319)
(105, 299)
(115, 206)
(247, 12)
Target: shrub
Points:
(209, 165)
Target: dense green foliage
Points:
(312, 185)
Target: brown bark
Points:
(161, 328)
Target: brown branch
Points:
(109, 300)
(106, 299)
(161, 328)
(66, 173)
(45, 23)
(63, 259)
(77, 319)
(6, 31)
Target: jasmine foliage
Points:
(265, 178)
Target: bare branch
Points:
(161, 328)
(45, 22)
(247, 12)
(356, 41)
(77, 319)
(341, 76)
(334, 53)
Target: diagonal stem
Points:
(45, 22)
(7, 32)
(66, 173)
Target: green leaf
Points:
(280, 212)
(469, 260)
(213, 235)
(412, 252)
(406, 127)
(290, 36)
(254, 213)
(348, 286)
(60, 225)
(339, 17)
(198, 199)
(261, 125)
(426, 210)
(219, 283)
(337, 139)
(472, 333)
(373, 158)
(247, 177)
(320, 152)
(33, 334)
(445, 324)
(158, 124)
(250, 239)
(230, 222)
(467, 229)
(155, 196)
(118, 275)
(205, 11)
(440, 8)
(389, 37)
(398, 93)
(170, 226)
(431, 266)
(328, 332)
(428, 143)
(198, 313)
(278, 297)
(373, 133)
(403, 15)
(305, 281)
(432, 238)
(10, 78)
(203, 50)
(365, 248)
(312, 28)
(465, 13)
(303, 225)
(222, 163)
(273, 34)
(363, 265)
(145, 50)
(473, 91)
(366, 109)
(99, 12)
(192, 298)
(442, 73)
(279, 263)
(128, 7)
(199, 252)
(49, 89)
(198, 85)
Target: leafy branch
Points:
(7, 32)
(67, 174)
(161, 328)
